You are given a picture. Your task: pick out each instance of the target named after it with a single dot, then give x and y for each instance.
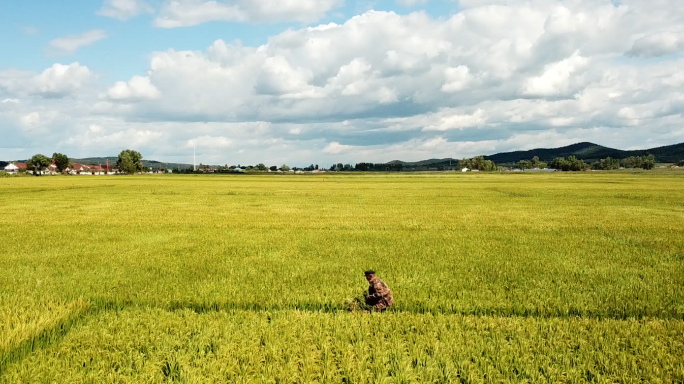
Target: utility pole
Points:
(193, 158)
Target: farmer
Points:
(379, 295)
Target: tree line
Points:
(130, 162)
(569, 164)
(478, 163)
(535, 163)
(38, 163)
(643, 162)
(261, 167)
(573, 164)
(367, 167)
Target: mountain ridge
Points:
(584, 151)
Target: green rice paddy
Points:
(247, 278)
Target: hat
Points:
(371, 272)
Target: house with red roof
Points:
(80, 169)
(98, 170)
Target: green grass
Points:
(545, 277)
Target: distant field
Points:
(194, 279)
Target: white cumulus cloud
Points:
(456, 79)
(448, 122)
(60, 80)
(496, 75)
(138, 88)
(556, 78)
(337, 148)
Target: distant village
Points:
(130, 162)
(96, 169)
(77, 169)
(15, 168)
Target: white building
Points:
(11, 169)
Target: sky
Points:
(327, 81)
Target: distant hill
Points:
(425, 163)
(591, 152)
(584, 151)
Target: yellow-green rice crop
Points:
(497, 278)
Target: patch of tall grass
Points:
(157, 346)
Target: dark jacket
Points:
(379, 294)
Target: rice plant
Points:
(497, 278)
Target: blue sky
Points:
(337, 80)
(26, 27)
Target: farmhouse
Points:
(12, 169)
(80, 169)
(97, 170)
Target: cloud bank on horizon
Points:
(403, 83)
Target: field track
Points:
(497, 278)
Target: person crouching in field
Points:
(379, 295)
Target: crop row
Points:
(155, 346)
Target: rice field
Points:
(248, 278)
